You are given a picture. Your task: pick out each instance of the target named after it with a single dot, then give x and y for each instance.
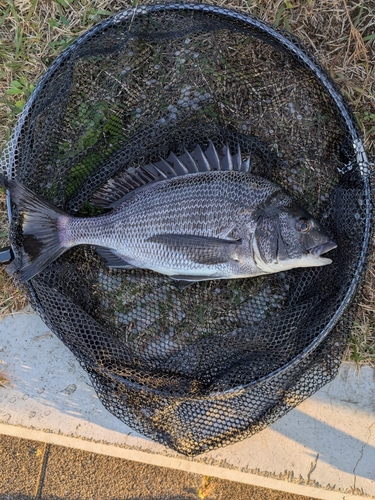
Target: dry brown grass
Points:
(11, 299)
(361, 348)
(205, 490)
(3, 381)
(340, 33)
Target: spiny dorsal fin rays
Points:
(246, 165)
(162, 174)
(134, 177)
(226, 160)
(143, 176)
(132, 181)
(103, 198)
(237, 160)
(165, 167)
(179, 167)
(201, 159)
(155, 171)
(213, 157)
(115, 190)
(189, 162)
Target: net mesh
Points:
(203, 367)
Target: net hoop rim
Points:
(284, 40)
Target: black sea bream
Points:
(173, 218)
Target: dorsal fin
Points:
(246, 165)
(213, 157)
(177, 164)
(226, 161)
(189, 162)
(134, 180)
(237, 159)
(200, 159)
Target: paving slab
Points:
(20, 467)
(71, 474)
(324, 449)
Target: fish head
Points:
(287, 237)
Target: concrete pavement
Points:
(323, 449)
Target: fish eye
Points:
(303, 226)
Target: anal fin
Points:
(112, 259)
(183, 281)
(182, 284)
(192, 278)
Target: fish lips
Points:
(319, 250)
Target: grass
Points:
(205, 489)
(340, 33)
(11, 299)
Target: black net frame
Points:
(200, 381)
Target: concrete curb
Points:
(324, 449)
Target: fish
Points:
(195, 217)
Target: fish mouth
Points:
(322, 249)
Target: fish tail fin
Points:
(41, 225)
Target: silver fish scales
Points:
(172, 218)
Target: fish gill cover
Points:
(213, 363)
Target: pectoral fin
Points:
(199, 249)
